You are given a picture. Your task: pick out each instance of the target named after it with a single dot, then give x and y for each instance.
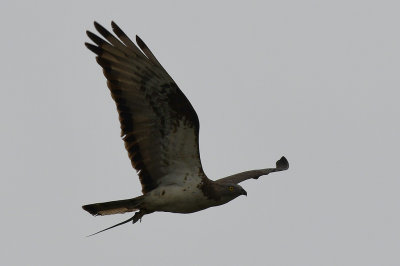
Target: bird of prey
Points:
(160, 130)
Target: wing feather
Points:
(281, 165)
(158, 124)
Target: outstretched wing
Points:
(281, 165)
(159, 126)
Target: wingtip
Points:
(139, 41)
(96, 24)
(117, 30)
(95, 49)
(92, 36)
(103, 31)
(282, 163)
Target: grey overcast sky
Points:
(316, 81)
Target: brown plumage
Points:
(160, 130)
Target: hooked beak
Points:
(244, 192)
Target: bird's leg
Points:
(138, 216)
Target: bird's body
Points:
(182, 198)
(160, 129)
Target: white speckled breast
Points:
(185, 198)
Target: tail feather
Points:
(113, 207)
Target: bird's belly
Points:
(177, 199)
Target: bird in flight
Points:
(160, 130)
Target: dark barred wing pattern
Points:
(159, 126)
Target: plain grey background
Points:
(316, 81)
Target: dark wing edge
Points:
(281, 165)
(150, 104)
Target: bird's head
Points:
(231, 191)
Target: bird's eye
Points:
(231, 188)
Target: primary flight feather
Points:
(160, 130)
